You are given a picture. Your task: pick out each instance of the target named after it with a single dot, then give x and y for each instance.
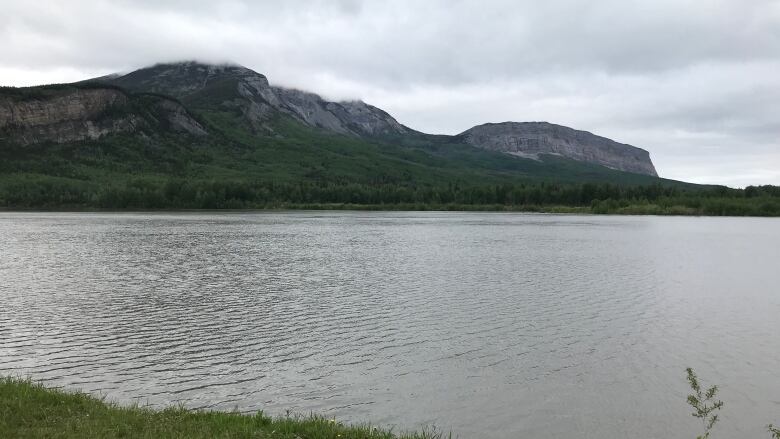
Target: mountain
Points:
(208, 136)
(164, 94)
(258, 100)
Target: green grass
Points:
(30, 410)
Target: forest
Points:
(46, 192)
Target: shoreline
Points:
(631, 210)
(32, 410)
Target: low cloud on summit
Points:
(697, 83)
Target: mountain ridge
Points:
(358, 118)
(166, 103)
(188, 78)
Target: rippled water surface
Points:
(491, 325)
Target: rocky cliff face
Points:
(70, 114)
(64, 117)
(531, 139)
(261, 100)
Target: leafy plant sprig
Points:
(704, 403)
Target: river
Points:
(489, 325)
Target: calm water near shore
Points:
(489, 324)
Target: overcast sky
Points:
(695, 82)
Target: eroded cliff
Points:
(67, 113)
(532, 139)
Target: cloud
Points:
(685, 79)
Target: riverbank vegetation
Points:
(30, 191)
(29, 410)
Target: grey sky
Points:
(697, 83)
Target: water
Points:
(491, 325)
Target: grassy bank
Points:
(29, 410)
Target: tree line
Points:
(180, 193)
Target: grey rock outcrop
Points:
(68, 117)
(75, 114)
(347, 117)
(532, 139)
(178, 119)
(183, 79)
